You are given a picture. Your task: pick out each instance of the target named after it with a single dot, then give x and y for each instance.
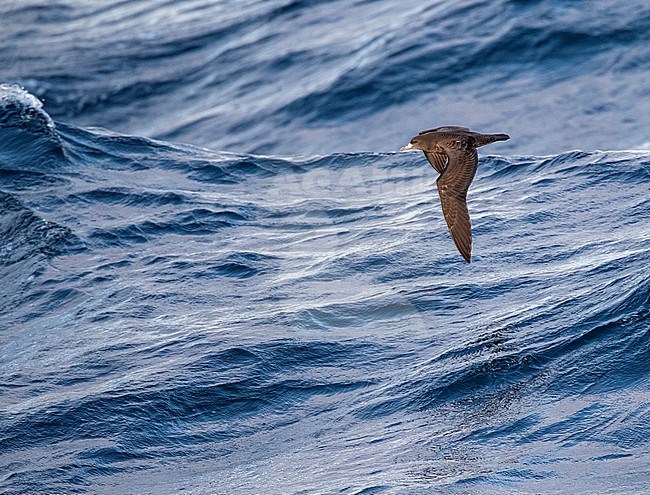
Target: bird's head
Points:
(417, 143)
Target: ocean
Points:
(219, 276)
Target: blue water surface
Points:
(282, 310)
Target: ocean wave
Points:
(28, 134)
(24, 234)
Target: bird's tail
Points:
(483, 139)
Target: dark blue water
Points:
(283, 311)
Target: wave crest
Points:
(27, 133)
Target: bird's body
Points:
(451, 151)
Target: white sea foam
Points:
(27, 106)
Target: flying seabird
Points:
(451, 151)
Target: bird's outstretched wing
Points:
(452, 187)
(437, 160)
(446, 128)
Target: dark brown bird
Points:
(451, 151)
